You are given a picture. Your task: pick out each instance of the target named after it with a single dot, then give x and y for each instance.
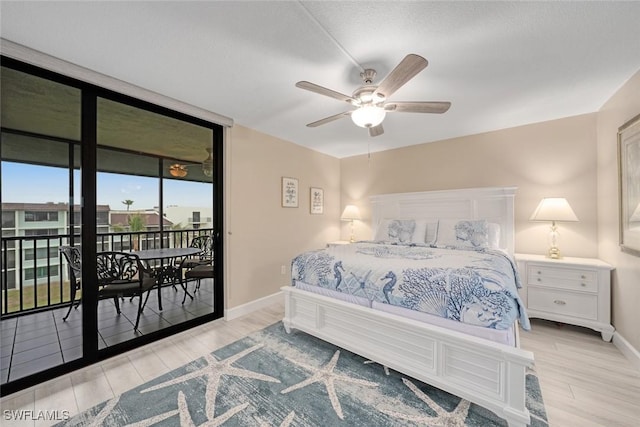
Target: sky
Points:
(23, 183)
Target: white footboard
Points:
(488, 374)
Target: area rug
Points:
(272, 378)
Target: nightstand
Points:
(576, 291)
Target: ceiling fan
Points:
(371, 101)
(179, 170)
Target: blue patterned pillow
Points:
(463, 234)
(396, 231)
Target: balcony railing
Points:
(34, 275)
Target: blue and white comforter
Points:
(470, 286)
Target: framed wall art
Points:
(316, 200)
(629, 168)
(289, 192)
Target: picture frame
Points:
(629, 184)
(316, 200)
(289, 192)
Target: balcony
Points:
(35, 298)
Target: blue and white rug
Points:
(272, 378)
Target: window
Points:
(11, 259)
(102, 218)
(36, 216)
(41, 272)
(41, 253)
(196, 217)
(42, 232)
(8, 219)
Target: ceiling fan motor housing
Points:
(368, 75)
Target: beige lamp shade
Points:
(554, 209)
(350, 213)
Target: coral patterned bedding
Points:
(477, 287)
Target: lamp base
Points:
(352, 238)
(554, 253)
(554, 236)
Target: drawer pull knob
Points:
(539, 279)
(559, 302)
(539, 272)
(583, 277)
(583, 284)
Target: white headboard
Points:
(495, 204)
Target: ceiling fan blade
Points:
(417, 107)
(411, 65)
(324, 91)
(376, 130)
(329, 119)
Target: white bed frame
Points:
(486, 373)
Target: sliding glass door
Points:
(40, 194)
(154, 181)
(100, 172)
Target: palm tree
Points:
(136, 223)
(128, 203)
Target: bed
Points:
(471, 355)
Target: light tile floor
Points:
(585, 381)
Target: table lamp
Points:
(350, 213)
(554, 209)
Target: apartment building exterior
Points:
(32, 234)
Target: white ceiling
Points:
(501, 64)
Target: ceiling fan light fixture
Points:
(368, 116)
(207, 164)
(178, 170)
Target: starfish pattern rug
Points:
(271, 378)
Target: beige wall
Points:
(622, 106)
(263, 235)
(555, 158)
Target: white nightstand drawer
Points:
(584, 306)
(562, 277)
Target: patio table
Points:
(167, 270)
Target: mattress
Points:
(476, 287)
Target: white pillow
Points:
(494, 235)
(463, 234)
(431, 234)
(397, 231)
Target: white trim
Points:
(627, 349)
(43, 60)
(250, 307)
(227, 229)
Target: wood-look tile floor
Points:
(585, 381)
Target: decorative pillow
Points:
(396, 231)
(463, 234)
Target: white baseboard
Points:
(627, 349)
(241, 310)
